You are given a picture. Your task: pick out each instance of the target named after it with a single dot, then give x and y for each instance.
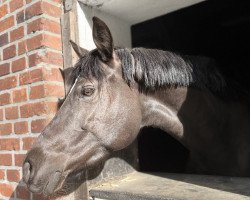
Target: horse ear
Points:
(69, 77)
(103, 39)
(79, 50)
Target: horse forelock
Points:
(89, 66)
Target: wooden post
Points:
(70, 31)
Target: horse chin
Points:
(66, 184)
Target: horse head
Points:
(101, 114)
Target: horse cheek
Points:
(132, 118)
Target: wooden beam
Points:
(70, 32)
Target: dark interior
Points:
(215, 28)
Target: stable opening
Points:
(217, 29)
(159, 152)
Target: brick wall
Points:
(30, 83)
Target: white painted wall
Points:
(136, 11)
(119, 15)
(120, 29)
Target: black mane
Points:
(153, 69)
(156, 68)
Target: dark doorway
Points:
(159, 152)
(215, 28)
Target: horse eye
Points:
(88, 91)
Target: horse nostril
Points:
(26, 171)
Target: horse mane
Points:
(153, 69)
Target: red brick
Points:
(5, 99)
(1, 114)
(19, 95)
(9, 144)
(47, 90)
(35, 59)
(44, 24)
(4, 69)
(13, 175)
(22, 192)
(39, 108)
(6, 160)
(28, 143)
(6, 190)
(19, 158)
(18, 65)
(36, 25)
(44, 40)
(31, 77)
(2, 174)
(21, 127)
(53, 58)
(15, 4)
(33, 10)
(54, 90)
(53, 74)
(53, 42)
(35, 42)
(45, 108)
(6, 23)
(20, 17)
(38, 125)
(5, 129)
(4, 39)
(51, 10)
(3, 10)
(46, 57)
(26, 110)
(22, 48)
(8, 83)
(37, 92)
(11, 112)
(9, 52)
(17, 34)
(42, 7)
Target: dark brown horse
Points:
(113, 92)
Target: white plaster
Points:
(133, 11)
(119, 15)
(85, 30)
(120, 29)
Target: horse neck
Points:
(171, 109)
(160, 109)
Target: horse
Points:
(112, 92)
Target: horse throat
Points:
(160, 110)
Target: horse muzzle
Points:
(46, 187)
(41, 172)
